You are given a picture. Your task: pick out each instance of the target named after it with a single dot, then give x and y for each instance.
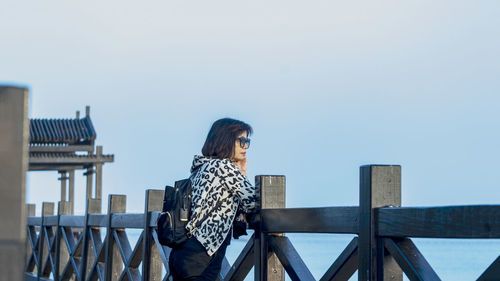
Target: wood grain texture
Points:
(410, 259)
(479, 221)
(290, 259)
(317, 220)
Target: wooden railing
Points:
(66, 247)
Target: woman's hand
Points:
(242, 165)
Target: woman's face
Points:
(240, 147)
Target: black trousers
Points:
(191, 261)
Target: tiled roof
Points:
(62, 131)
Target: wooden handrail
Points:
(69, 246)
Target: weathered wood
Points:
(93, 206)
(164, 251)
(271, 191)
(72, 221)
(151, 259)
(326, 220)
(345, 265)
(380, 186)
(62, 253)
(116, 204)
(480, 221)
(30, 210)
(50, 220)
(97, 267)
(492, 273)
(243, 264)
(34, 221)
(72, 267)
(47, 210)
(98, 220)
(409, 258)
(153, 219)
(127, 220)
(290, 259)
(123, 245)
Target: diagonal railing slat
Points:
(492, 272)
(345, 265)
(243, 264)
(410, 259)
(290, 259)
(164, 251)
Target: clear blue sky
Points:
(327, 85)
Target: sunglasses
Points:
(244, 142)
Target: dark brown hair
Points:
(222, 136)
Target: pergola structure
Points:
(66, 145)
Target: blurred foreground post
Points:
(14, 129)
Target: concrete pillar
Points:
(14, 137)
(64, 179)
(90, 176)
(98, 174)
(71, 191)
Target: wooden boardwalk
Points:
(68, 247)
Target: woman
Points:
(219, 188)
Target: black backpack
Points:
(175, 214)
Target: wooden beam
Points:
(326, 220)
(243, 263)
(409, 258)
(479, 221)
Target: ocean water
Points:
(451, 259)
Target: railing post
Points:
(30, 212)
(63, 208)
(380, 186)
(43, 250)
(151, 260)
(116, 204)
(271, 193)
(93, 206)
